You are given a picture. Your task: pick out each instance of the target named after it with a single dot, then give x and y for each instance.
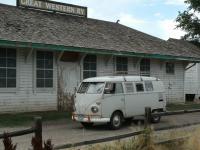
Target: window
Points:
(44, 73)
(113, 88)
(139, 87)
(121, 65)
(7, 68)
(148, 86)
(170, 68)
(89, 66)
(145, 67)
(91, 87)
(129, 87)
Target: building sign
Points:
(54, 6)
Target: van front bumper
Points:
(89, 118)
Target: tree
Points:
(189, 21)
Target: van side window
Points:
(118, 88)
(148, 86)
(113, 88)
(139, 87)
(129, 87)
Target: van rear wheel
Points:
(116, 120)
(155, 119)
(87, 124)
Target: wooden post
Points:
(147, 116)
(38, 130)
(147, 121)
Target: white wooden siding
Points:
(174, 83)
(192, 80)
(26, 97)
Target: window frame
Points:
(121, 72)
(89, 70)
(145, 82)
(145, 65)
(41, 89)
(169, 71)
(123, 91)
(12, 89)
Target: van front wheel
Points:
(116, 120)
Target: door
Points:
(113, 99)
(71, 76)
(136, 100)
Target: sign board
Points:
(54, 6)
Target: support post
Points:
(38, 130)
(147, 120)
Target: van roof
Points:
(120, 78)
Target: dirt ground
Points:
(65, 131)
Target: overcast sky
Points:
(155, 17)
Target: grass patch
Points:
(150, 139)
(21, 119)
(182, 106)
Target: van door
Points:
(135, 102)
(113, 99)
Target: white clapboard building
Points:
(44, 55)
(192, 73)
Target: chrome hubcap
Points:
(116, 120)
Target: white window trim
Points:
(82, 66)
(145, 73)
(13, 90)
(166, 68)
(43, 90)
(115, 66)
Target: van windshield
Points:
(91, 87)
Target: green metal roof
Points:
(19, 44)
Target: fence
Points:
(36, 129)
(148, 115)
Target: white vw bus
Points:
(113, 99)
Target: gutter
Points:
(19, 44)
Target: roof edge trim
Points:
(19, 44)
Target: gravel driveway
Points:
(66, 131)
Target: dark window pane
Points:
(93, 66)
(86, 66)
(48, 83)
(170, 68)
(11, 62)
(40, 55)
(86, 74)
(40, 83)
(48, 73)
(139, 87)
(2, 52)
(119, 67)
(49, 55)
(49, 63)
(11, 73)
(11, 53)
(2, 72)
(2, 62)
(2, 82)
(40, 73)
(11, 83)
(40, 63)
(90, 58)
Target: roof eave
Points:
(19, 44)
